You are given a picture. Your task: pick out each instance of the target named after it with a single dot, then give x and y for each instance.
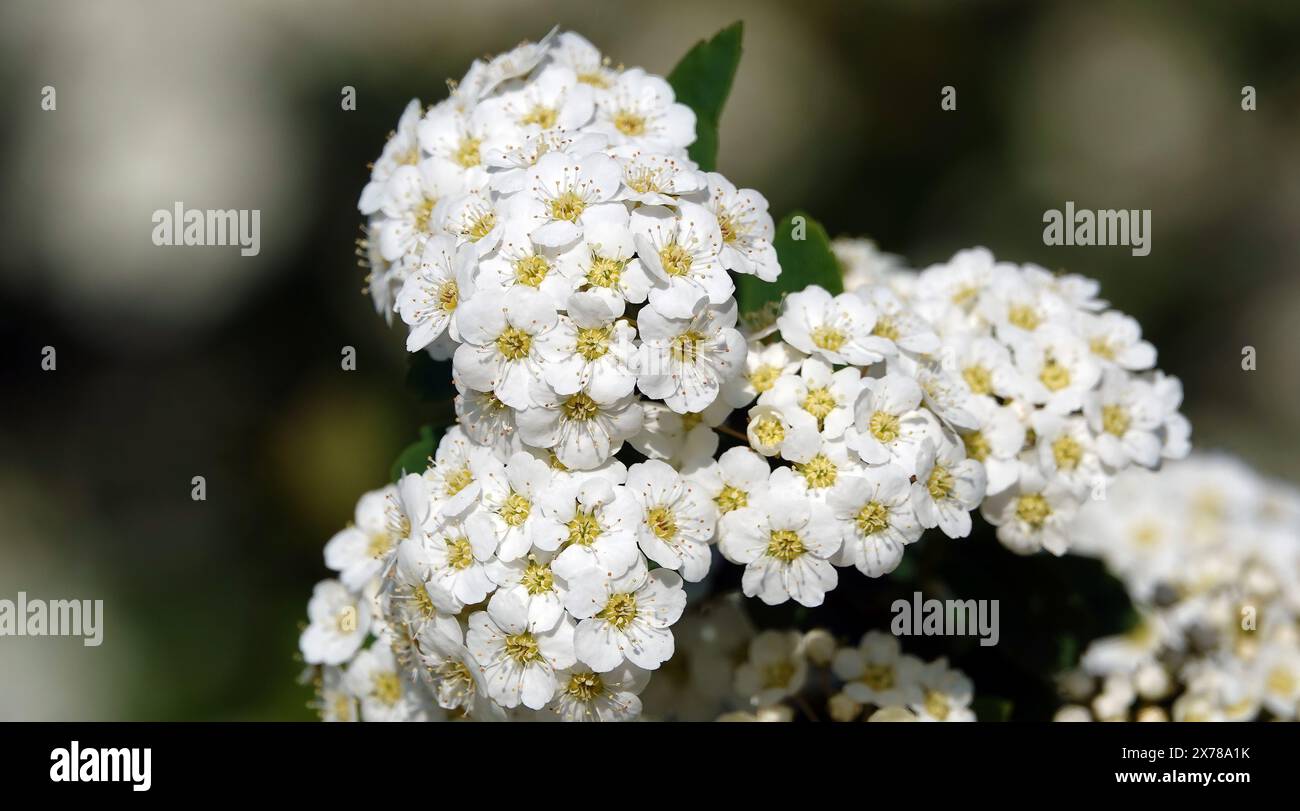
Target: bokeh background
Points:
(177, 362)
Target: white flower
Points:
(764, 365)
(776, 668)
(1035, 514)
(1116, 339)
(596, 351)
(411, 199)
(553, 100)
(1066, 451)
(339, 623)
(983, 365)
(737, 479)
(685, 441)
(582, 431)
(997, 443)
(374, 678)
(626, 618)
(826, 394)
(575, 52)
(531, 581)
(877, 672)
(586, 695)
(679, 249)
(509, 513)
(835, 328)
(486, 420)
(675, 520)
(430, 295)
(455, 136)
(519, 261)
(1057, 369)
(453, 561)
(789, 432)
(401, 149)
(897, 324)
(593, 525)
(359, 552)
(333, 701)
(946, 692)
(566, 192)
(457, 679)
(874, 510)
(519, 661)
(886, 422)
(785, 544)
(656, 179)
(452, 481)
(604, 262)
(684, 361)
(507, 341)
(747, 229)
(640, 109)
(1125, 415)
(473, 219)
(815, 477)
(947, 487)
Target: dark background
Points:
(177, 362)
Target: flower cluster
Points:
(914, 398)
(1210, 554)
(545, 229)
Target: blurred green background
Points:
(177, 362)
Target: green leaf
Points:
(415, 458)
(804, 250)
(702, 81)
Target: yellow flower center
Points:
(593, 342)
(886, 327)
(568, 206)
(1067, 452)
(872, 518)
(605, 272)
(448, 296)
(467, 152)
(629, 123)
(379, 544)
(939, 483)
(685, 348)
(729, 227)
(532, 270)
(540, 115)
(1054, 375)
(537, 578)
(977, 445)
(819, 402)
(828, 338)
(764, 377)
(482, 226)
(580, 407)
(1033, 510)
(584, 529)
(1114, 419)
(523, 648)
(769, 431)
(979, 379)
(879, 677)
(423, 602)
(818, 471)
(459, 553)
(385, 688)
(883, 426)
(662, 522)
(778, 674)
(936, 705)
(731, 498)
(514, 344)
(585, 686)
(1102, 348)
(1024, 316)
(619, 611)
(457, 481)
(516, 509)
(675, 259)
(423, 212)
(785, 545)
